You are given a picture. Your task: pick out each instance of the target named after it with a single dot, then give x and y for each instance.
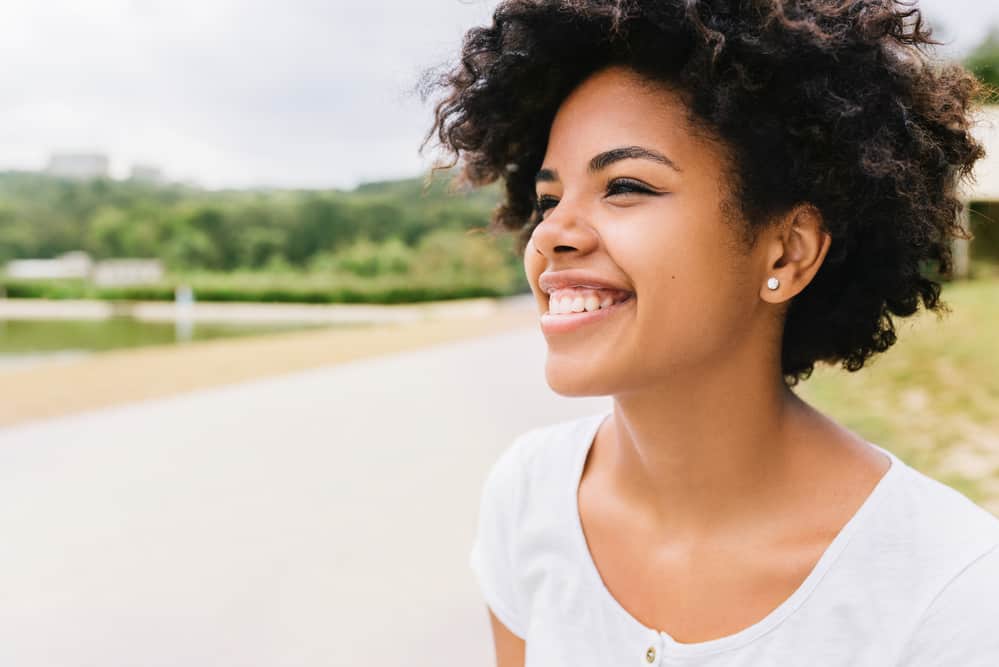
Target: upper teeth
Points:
(579, 300)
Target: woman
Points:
(714, 196)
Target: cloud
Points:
(227, 93)
(303, 93)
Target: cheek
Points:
(692, 286)
(674, 261)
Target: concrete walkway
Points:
(319, 518)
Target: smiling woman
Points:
(711, 197)
(646, 215)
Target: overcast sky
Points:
(242, 93)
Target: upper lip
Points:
(549, 281)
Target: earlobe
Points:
(799, 247)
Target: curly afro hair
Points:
(832, 102)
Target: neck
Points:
(705, 454)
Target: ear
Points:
(794, 249)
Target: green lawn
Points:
(933, 398)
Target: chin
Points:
(568, 378)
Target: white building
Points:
(78, 265)
(75, 264)
(79, 166)
(122, 272)
(146, 173)
(986, 185)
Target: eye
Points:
(545, 202)
(628, 186)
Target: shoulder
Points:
(550, 441)
(959, 625)
(919, 552)
(941, 518)
(939, 552)
(558, 439)
(955, 533)
(538, 460)
(521, 494)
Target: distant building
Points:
(122, 272)
(985, 187)
(146, 173)
(75, 264)
(78, 265)
(79, 166)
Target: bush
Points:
(367, 259)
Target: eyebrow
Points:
(607, 158)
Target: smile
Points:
(566, 322)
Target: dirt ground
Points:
(110, 378)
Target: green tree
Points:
(367, 258)
(984, 62)
(321, 224)
(112, 232)
(211, 221)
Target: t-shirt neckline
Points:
(588, 431)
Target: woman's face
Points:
(650, 220)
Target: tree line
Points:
(189, 228)
(390, 240)
(376, 237)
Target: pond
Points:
(29, 341)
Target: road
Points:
(318, 518)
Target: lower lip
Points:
(556, 324)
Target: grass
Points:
(933, 398)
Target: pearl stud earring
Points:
(773, 283)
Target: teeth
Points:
(554, 305)
(578, 303)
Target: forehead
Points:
(616, 107)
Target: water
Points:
(29, 341)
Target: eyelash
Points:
(621, 185)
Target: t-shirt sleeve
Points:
(961, 626)
(491, 557)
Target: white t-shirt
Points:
(911, 580)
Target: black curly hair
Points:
(833, 102)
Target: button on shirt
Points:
(911, 580)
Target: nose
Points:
(562, 230)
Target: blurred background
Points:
(253, 374)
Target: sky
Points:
(255, 93)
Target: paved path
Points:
(320, 518)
